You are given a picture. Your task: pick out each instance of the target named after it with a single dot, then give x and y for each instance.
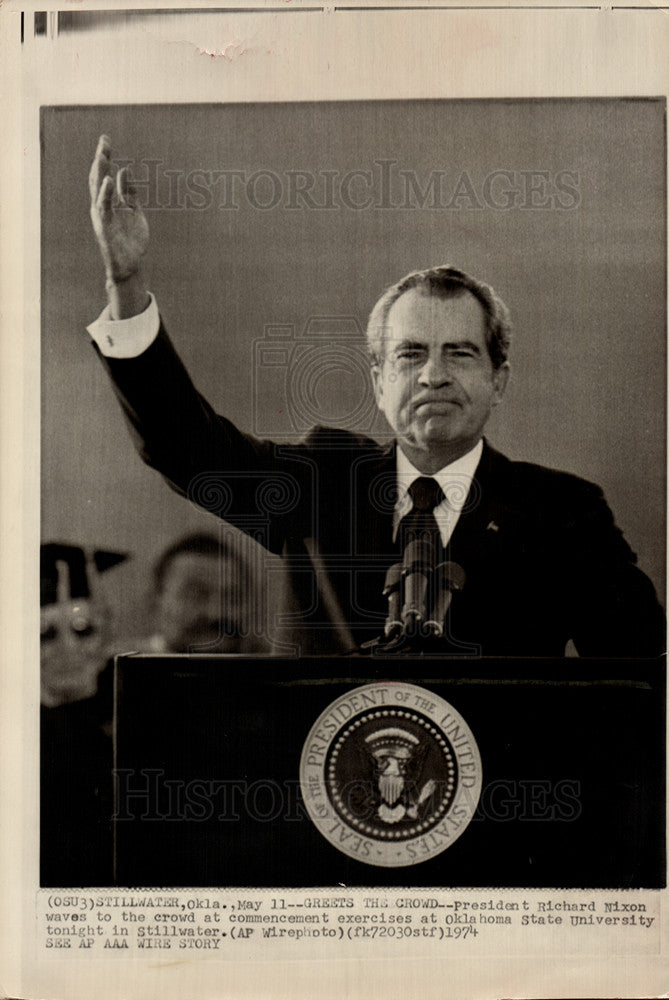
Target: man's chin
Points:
(438, 429)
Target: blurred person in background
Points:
(75, 725)
(75, 622)
(206, 597)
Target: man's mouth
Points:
(435, 405)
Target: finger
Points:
(124, 189)
(104, 199)
(63, 581)
(99, 170)
(100, 167)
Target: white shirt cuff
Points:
(126, 338)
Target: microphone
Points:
(449, 577)
(417, 568)
(391, 590)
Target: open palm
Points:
(118, 221)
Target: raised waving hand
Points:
(121, 230)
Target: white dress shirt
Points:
(126, 338)
(455, 481)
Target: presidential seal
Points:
(390, 774)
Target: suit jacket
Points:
(543, 558)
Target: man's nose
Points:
(436, 371)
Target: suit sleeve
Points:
(258, 486)
(613, 605)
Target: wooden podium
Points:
(207, 757)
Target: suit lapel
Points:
(485, 540)
(489, 517)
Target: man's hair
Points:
(444, 282)
(199, 544)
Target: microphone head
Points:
(451, 575)
(393, 577)
(418, 555)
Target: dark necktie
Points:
(420, 523)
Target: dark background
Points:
(585, 285)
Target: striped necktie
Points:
(420, 523)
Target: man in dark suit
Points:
(543, 561)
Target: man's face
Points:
(201, 604)
(72, 650)
(436, 384)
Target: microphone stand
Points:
(416, 632)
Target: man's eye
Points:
(462, 355)
(409, 354)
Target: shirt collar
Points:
(455, 479)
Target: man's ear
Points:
(377, 383)
(500, 379)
